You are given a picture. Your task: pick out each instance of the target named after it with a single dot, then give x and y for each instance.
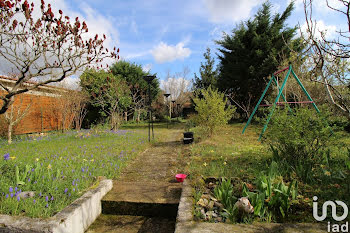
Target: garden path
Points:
(146, 196)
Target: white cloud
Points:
(329, 30)
(167, 53)
(230, 10)
(71, 82)
(147, 67)
(319, 5)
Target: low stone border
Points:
(75, 218)
(186, 224)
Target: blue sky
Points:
(168, 35)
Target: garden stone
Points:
(214, 215)
(213, 198)
(203, 202)
(210, 205)
(218, 205)
(25, 195)
(205, 196)
(211, 185)
(209, 215)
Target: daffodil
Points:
(49, 166)
(37, 159)
(13, 157)
(225, 163)
(327, 173)
(211, 151)
(92, 160)
(205, 164)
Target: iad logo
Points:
(332, 227)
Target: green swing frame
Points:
(280, 90)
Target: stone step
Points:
(131, 224)
(152, 199)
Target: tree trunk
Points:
(138, 115)
(9, 133)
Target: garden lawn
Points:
(229, 154)
(59, 168)
(242, 158)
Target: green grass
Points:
(243, 158)
(229, 154)
(62, 167)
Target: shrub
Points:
(299, 138)
(211, 109)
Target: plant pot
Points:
(188, 137)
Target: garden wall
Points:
(44, 113)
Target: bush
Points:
(211, 109)
(300, 139)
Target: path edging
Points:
(75, 218)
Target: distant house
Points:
(44, 112)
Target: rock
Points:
(210, 205)
(213, 198)
(211, 185)
(25, 195)
(243, 205)
(214, 215)
(218, 205)
(219, 219)
(203, 202)
(209, 215)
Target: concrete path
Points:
(146, 196)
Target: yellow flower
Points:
(211, 151)
(37, 159)
(205, 164)
(13, 157)
(322, 165)
(60, 158)
(92, 160)
(84, 160)
(49, 166)
(327, 173)
(225, 163)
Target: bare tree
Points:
(178, 86)
(14, 115)
(45, 50)
(330, 57)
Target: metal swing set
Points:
(280, 94)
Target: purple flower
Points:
(7, 156)
(47, 198)
(73, 182)
(40, 194)
(52, 198)
(18, 198)
(7, 196)
(15, 189)
(10, 189)
(73, 189)
(65, 190)
(11, 195)
(34, 201)
(47, 205)
(82, 169)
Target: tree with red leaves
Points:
(43, 50)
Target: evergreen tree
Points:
(208, 75)
(252, 53)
